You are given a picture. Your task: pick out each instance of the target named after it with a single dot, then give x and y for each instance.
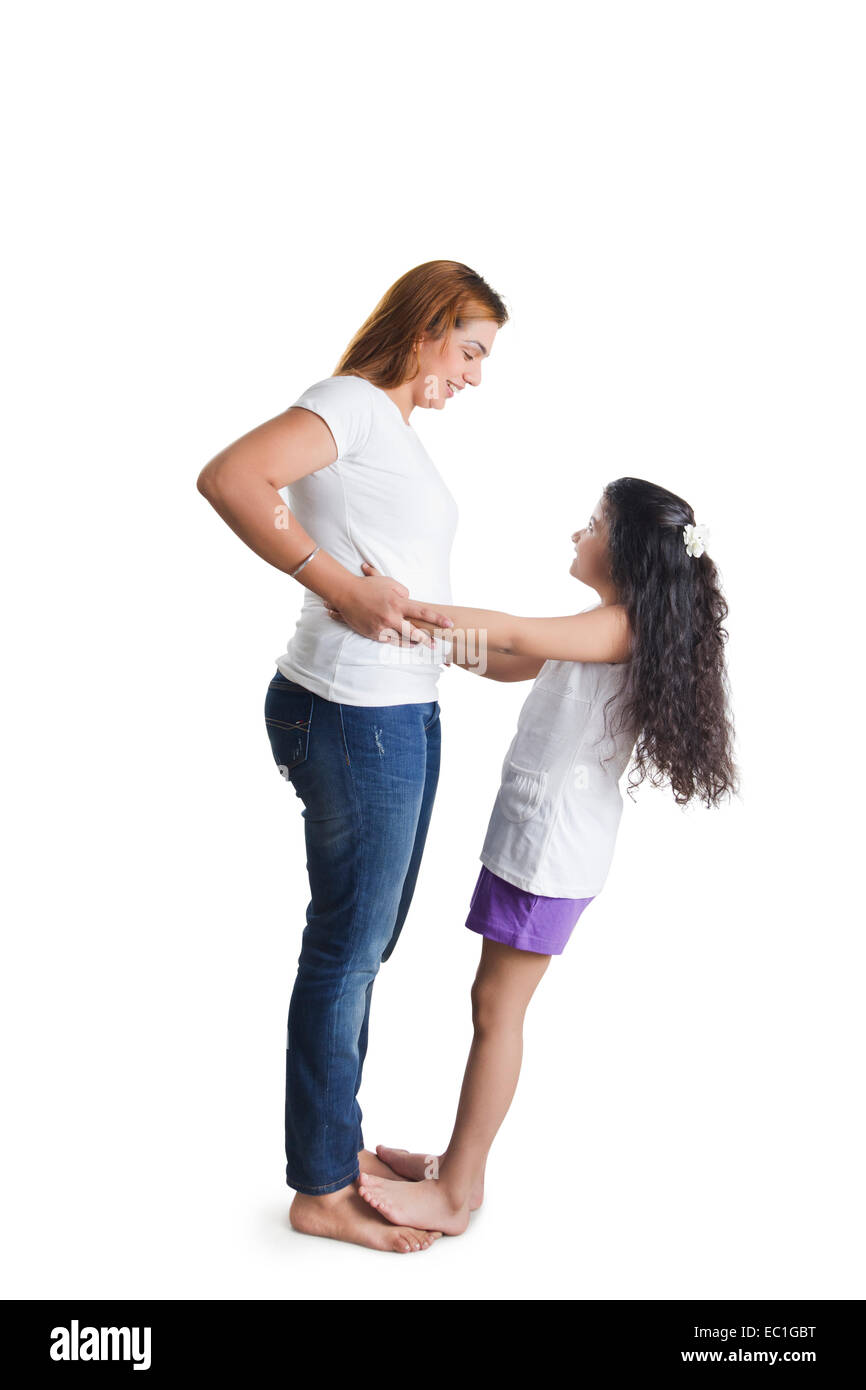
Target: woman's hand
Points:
(378, 602)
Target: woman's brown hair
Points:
(432, 299)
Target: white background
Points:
(206, 202)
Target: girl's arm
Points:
(602, 634)
(497, 666)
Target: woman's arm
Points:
(242, 484)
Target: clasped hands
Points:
(384, 611)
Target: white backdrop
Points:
(207, 202)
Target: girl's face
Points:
(591, 564)
(447, 366)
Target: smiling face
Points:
(591, 563)
(447, 365)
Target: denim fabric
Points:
(366, 777)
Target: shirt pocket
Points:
(521, 792)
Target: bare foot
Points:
(378, 1166)
(414, 1167)
(424, 1204)
(345, 1216)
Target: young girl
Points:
(642, 672)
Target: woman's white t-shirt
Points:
(381, 500)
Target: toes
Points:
(371, 1190)
(412, 1240)
(370, 1187)
(378, 1193)
(428, 1238)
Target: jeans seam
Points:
(345, 743)
(359, 839)
(427, 731)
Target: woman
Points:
(353, 722)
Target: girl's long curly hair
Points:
(676, 695)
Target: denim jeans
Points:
(366, 776)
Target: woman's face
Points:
(447, 366)
(591, 564)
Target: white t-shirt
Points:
(554, 823)
(381, 500)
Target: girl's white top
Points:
(554, 822)
(381, 500)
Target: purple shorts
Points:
(502, 912)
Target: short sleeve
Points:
(344, 403)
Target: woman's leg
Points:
(503, 987)
(370, 1161)
(433, 735)
(433, 740)
(362, 776)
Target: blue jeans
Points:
(367, 777)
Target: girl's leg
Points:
(503, 987)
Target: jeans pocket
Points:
(288, 718)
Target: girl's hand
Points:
(387, 607)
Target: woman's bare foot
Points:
(414, 1167)
(424, 1204)
(345, 1216)
(379, 1166)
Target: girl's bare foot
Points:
(417, 1204)
(345, 1216)
(414, 1167)
(378, 1166)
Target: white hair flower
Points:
(696, 538)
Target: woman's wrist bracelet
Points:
(312, 553)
